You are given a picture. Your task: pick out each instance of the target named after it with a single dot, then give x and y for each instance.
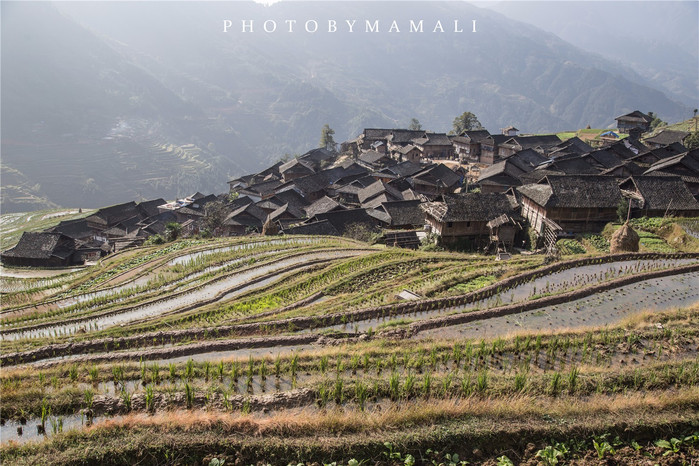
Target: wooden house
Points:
(659, 196)
(42, 249)
(467, 146)
(576, 203)
(462, 219)
(633, 120)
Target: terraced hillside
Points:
(307, 350)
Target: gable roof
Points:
(42, 245)
(433, 139)
(376, 189)
(150, 208)
(321, 227)
(373, 157)
(297, 166)
(438, 175)
(502, 172)
(404, 212)
(531, 142)
(667, 137)
(475, 135)
(574, 191)
(286, 209)
(405, 169)
(661, 193)
(343, 219)
(470, 207)
(113, 214)
(290, 197)
(688, 160)
(636, 117)
(322, 205)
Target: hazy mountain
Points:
(657, 39)
(107, 102)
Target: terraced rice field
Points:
(299, 349)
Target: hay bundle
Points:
(270, 228)
(624, 240)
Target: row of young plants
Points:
(651, 339)
(344, 390)
(306, 284)
(155, 287)
(121, 331)
(519, 358)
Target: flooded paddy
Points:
(243, 280)
(602, 309)
(9, 431)
(186, 258)
(555, 283)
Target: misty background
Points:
(108, 102)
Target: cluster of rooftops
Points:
(474, 190)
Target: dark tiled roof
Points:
(575, 165)
(150, 208)
(404, 136)
(249, 215)
(689, 161)
(406, 168)
(375, 189)
(635, 116)
(530, 142)
(604, 158)
(575, 144)
(297, 166)
(343, 219)
(76, 229)
(476, 135)
(662, 193)
(433, 139)
(438, 175)
(113, 214)
(373, 157)
(495, 139)
(404, 212)
(374, 133)
(627, 167)
(288, 210)
(265, 187)
(315, 156)
(667, 137)
(501, 172)
(527, 159)
(470, 207)
(322, 227)
(42, 245)
(290, 197)
(376, 201)
(322, 205)
(571, 191)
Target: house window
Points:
(450, 224)
(468, 224)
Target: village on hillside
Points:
(472, 190)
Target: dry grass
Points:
(295, 423)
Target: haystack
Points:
(624, 240)
(270, 228)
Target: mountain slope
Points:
(120, 100)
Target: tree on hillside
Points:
(692, 141)
(467, 121)
(215, 214)
(326, 138)
(172, 231)
(415, 125)
(656, 122)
